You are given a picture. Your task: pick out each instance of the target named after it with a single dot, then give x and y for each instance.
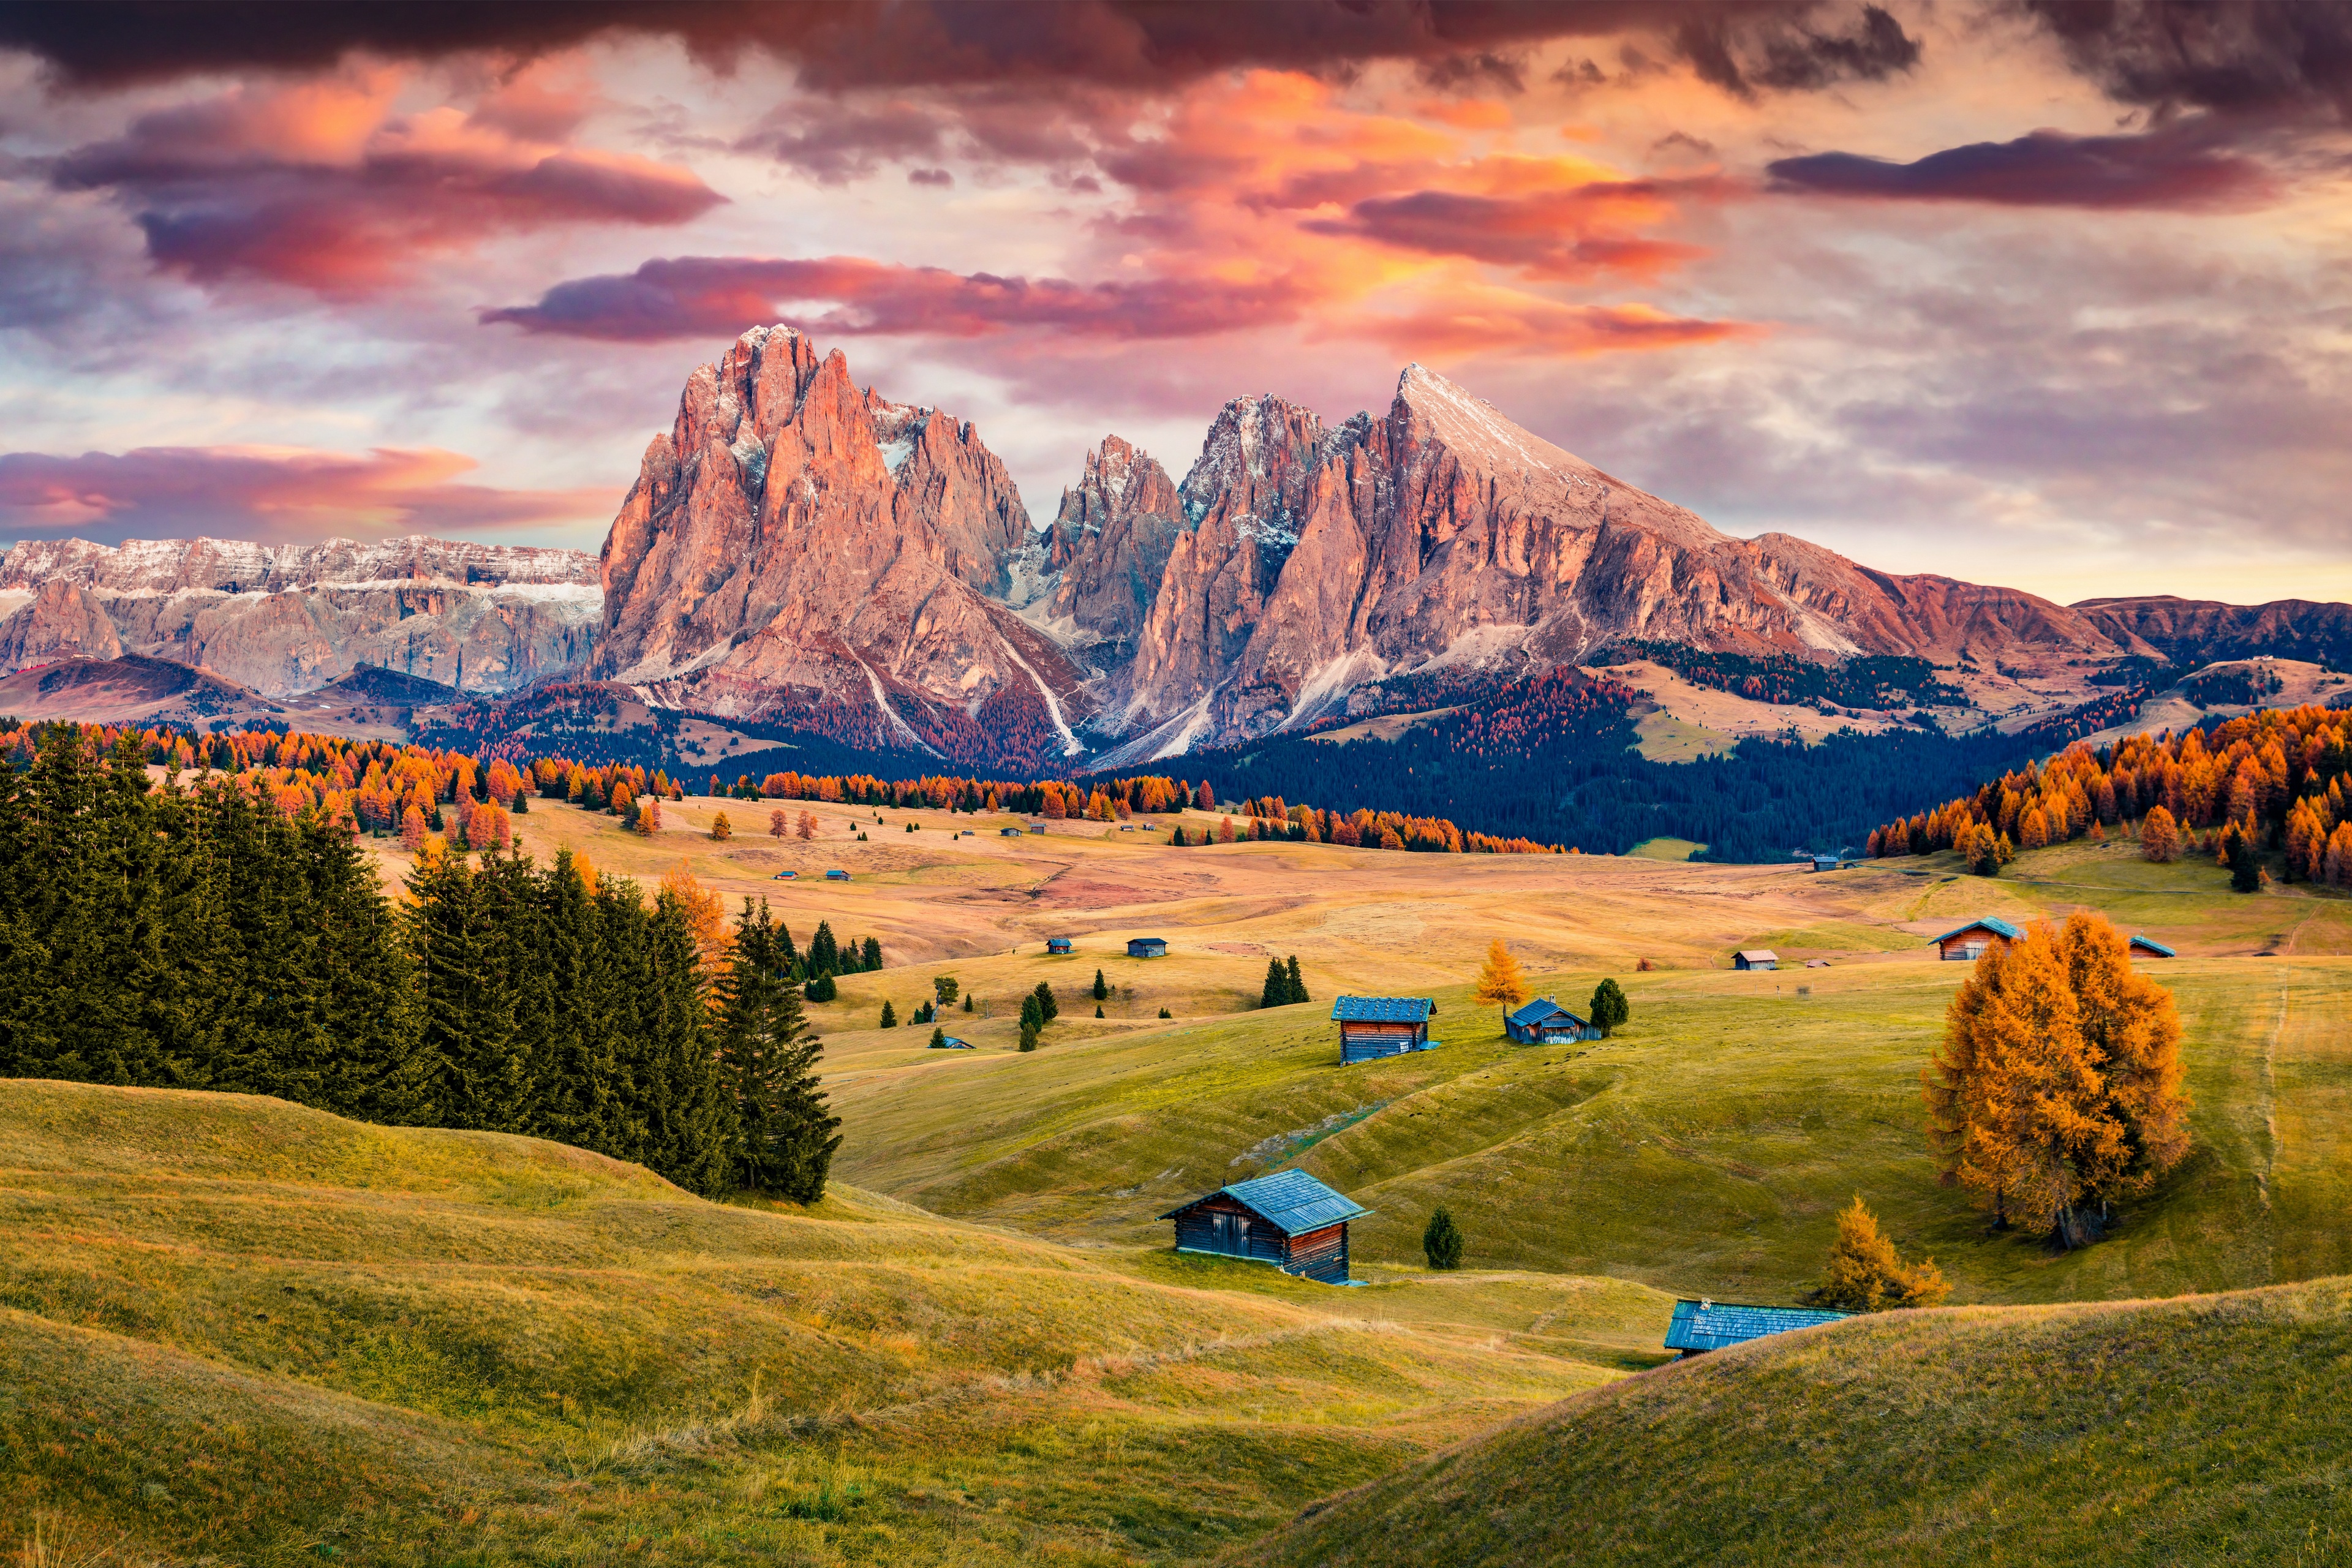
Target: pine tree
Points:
(1865, 1274)
(1033, 1021)
(873, 951)
(1048, 1010)
(1501, 982)
(1276, 993)
(1297, 981)
(890, 1017)
(1609, 1008)
(1441, 1241)
(479, 1070)
(823, 951)
(783, 1136)
(967, 1002)
(944, 988)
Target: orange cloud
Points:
(1474, 320)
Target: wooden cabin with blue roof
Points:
(1703, 1325)
(1375, 1026)
(2148, 947)
(1544, 1022)
(1288, 1220)
(1967, 943)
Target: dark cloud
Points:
(2237, 57)
(703, 296)
(1683, 142)
(1151, 44)
(2176, 168)
(1558, 233)
(1483, 72)
(833, 142)
(264, 493)
(1742, 53)
(939, 177)
(243, 186)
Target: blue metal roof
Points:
(1291, 1201)
(1998, 927)
(1712, 1325)
(2154, 946)
(1544, 1007)
(1380, 1010)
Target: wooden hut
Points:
(836, 876)
(1374, 1027)
(2148, 947)
(1702, 1326)
(949, 1043)
(1967, 943)
(1058, 944)
(1288, 1220)
(1008, 833)
(1755, 958)
(1146, 947)
(1544, 1022)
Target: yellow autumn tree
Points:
(1865, 1274)
(1501, 984)
(2159, 836)
(705, 913)
(2057, 1089)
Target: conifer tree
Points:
(784, 1137)
(1609, 1008)
(872, 953)
(823, 951)
(944, 988)
(1864, 1273)
(2159, 836)
(1047, 1008)
(890, 1016)
(458, 938)
(1101, 991)
(1033, 1021)
(1297, 981)
(1276, 993)
(1441, 1241)
(1501, 982)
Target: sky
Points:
(2043, 293)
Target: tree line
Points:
(202, 937)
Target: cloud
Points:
(1741, 54)
(321, 185)
(2236, 57)
(707, 296)
(2173, 168)
(269, 494)
(110, 44)
(1571, 232)
(1481, 321)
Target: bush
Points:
(1442, 1241)
(721, 829)
(1864, 1274)
(1609, 1010)
(1166, 1013)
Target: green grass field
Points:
(235, 1330)
(2207, 1430)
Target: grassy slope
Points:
(1706, 1148)
(2205, 1430)
(232, 1326)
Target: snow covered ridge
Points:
(239, 566)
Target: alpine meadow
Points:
(1072, 782)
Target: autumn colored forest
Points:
(2269, 782)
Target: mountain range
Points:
(802, 553)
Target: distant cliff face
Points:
(1446, 537)
(1108, 548)
(289, 618)
(797, 548)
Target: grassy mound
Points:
(236, 1328)
(1706, 1148)
(2204, 1429)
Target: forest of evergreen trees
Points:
(205, 938)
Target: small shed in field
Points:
(836, 876)
(1702, 1326)
(1008, 833)
(1544, 1022)
(1288, 1220)
(1374, 1027)
(1058, 944)
(2148, 947)
(1969, 941)
(1036, 827)
(1146, 947)
(1827, 863)
(1755, 958)
(949, 1043)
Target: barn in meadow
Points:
(1288, 1220)
(1701, 1326)
(1544, 1022)
(1374, 1026)
(1146, 947)
(1755, 958)
(2148, 947)
(1969, 942)
(1058, 944)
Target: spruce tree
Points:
(1033, 1020)
(823, 951)
(873, 954)
(1297, 981)
(1102, 992)
(478, 1070)
(1441, 1241)
(1276, 993)
(1609, 1008)
(1046, 1007)
(784, 1140)
(890, 1016)
(689, 1124)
